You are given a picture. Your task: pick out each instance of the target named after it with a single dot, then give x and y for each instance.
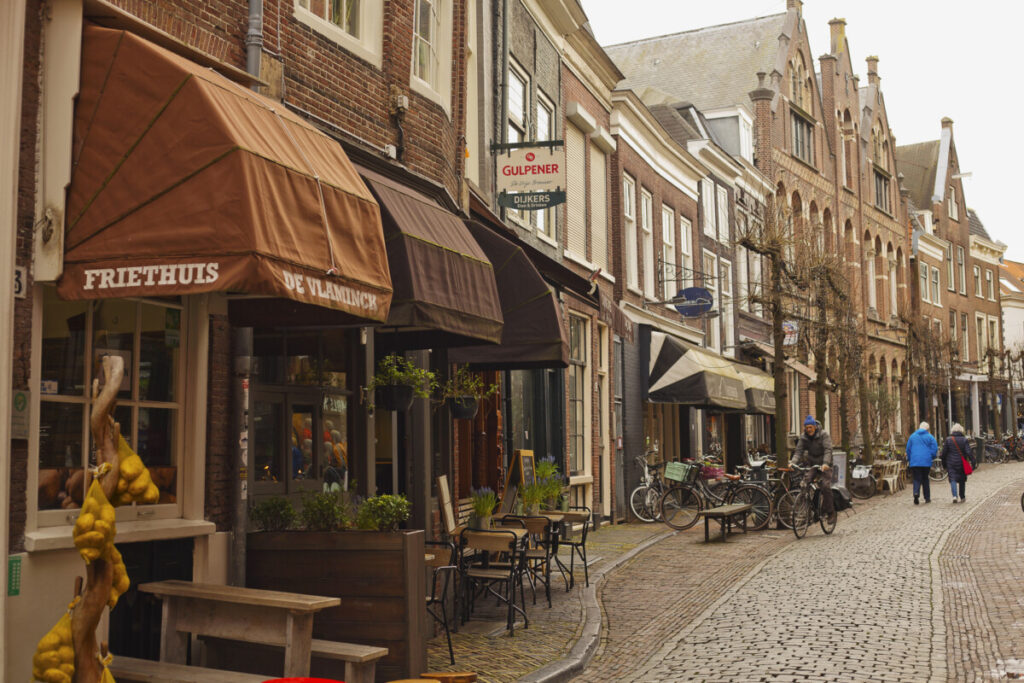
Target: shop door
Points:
(135, 622)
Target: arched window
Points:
(798, 81)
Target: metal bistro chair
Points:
(539, 550)
(479, 572)
(576, 541)
(442, 570)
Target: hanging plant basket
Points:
(396, 397)
(463, 407)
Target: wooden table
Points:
(237, 613)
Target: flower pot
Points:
(479, 522)
(463, 407)
(397, 397)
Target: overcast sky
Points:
(936, 58)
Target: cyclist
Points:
(813, 449)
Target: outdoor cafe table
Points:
(237, 613)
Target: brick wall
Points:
(220, 493)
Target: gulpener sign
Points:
(532, 177)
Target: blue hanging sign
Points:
(693, 301)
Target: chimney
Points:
(947, 122)
(838, 29)
(798, 5)
(873, 78)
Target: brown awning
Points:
(445, 293)
(185, 182)
(533, 335)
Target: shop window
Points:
(75, 338)
(578, 359)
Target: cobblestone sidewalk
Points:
(485, 647)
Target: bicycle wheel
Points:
(937, 471)
(827, 525)
(1022, 501)
(679, 507)
(863, 487)
(784, 508)
(761, 512)
(638, 503)
(801, 514)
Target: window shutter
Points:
(576, 190)
(598, 208)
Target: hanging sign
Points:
(531, 176)
(791, 329)
(693, 301)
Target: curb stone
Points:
(581, 653)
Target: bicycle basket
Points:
(707, 472)
(684, 472)
(861, 471)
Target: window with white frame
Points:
(728, 321)
(893, 303)
(953, 207)
(935, 287)
(598, 207)
(629, 219)
(742, 273)
(356, 25)
(961, 269)
(432, 50)
(578, 393)
(518, 106)
(669, 282)
(793, 380)
(576, 191)
(647, 238)
(990, 284)
(756, 286)
(686, 251)
(925, 294)
(993, 333)
(952, 326)
(724, 233)
(746, 140)
(977, 282)
(544, 220)
(966, 337)
(873, 282)
(710, 278)
(76, 335)
(979, 331)
(707, 207)
(950, 269)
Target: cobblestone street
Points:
(898, 593)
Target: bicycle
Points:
(863, 484)
(937, 471)
(807, 509)
(777, 482)
(645, 499)
(690, 494)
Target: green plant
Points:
(463, 382)
(484, 501)
(532, 494)
(273, 514)
(549, 479)
(324, 511)
(393, 370)
(383, 513)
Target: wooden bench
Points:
(724, 514)
(360, 660)
(147, 671)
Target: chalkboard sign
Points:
(521, 471)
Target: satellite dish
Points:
(693, 301)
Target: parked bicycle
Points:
(863, 483)
(937, 472)
(691, 493)
(645, 500)
(807, 510)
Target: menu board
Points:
(521, 471)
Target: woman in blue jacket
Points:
(921, 450)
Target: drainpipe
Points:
(254, 40)
(503, 116)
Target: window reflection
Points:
(302, 442)
(268, 435)
(335, 440)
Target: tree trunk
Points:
(779, 369)
(865, 419)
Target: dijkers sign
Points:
(531, 177)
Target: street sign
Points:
(19, 414)
(693, 301)
(791, 329)
(531, 201)
(531, 169)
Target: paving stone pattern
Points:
(484, 646)
(898, 593)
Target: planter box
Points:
(379, 576)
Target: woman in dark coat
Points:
(953, 450)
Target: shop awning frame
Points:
(759, 388)
(683, 374)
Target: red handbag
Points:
(966, 463)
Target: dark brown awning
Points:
(445, 293)
(185, 182)
(533, 335)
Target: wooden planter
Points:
(397, 397)
(379, 576)
(463, 407)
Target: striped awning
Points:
(759, 387)
(684, 374)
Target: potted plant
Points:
(397, 382)
(463, 392)
(484, 500)
(377, 571)
(550, 481)
(532, 494)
